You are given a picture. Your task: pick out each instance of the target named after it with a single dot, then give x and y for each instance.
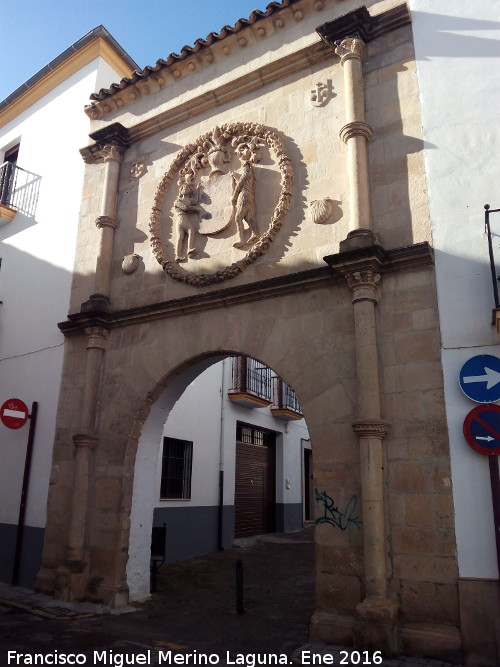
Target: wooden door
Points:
(255, 488)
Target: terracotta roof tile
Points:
(186, 51)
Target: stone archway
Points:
(356, 335)
(205, 416)
(324, 387)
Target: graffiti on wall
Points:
(333, 515)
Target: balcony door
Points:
(255, 482)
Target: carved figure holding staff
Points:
(243, 201)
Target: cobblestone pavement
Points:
(193, 613)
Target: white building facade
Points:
(457, 52)
(42, 128)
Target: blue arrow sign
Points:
(480, 378)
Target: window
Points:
(176, 468)
(253, 436)
(7, 175)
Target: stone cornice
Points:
(399, 259)
(388, 261)
(243, 85)
(217, 97)
(222, 298)
(361, 24)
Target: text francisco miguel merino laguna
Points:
(157, 657)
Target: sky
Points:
(34, 32)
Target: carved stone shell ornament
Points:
(321, 210)
(130, 263)
(232, 143)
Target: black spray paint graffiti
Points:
(333, 515)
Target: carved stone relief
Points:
(213, 210)
(138, 168)
(321, 210)
(130, 263)
(321, 94)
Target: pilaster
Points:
(71, 579)
(112, 142)
(375, 618)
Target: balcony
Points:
(252, 383)
(285, 404)
(18, 191)
(255, 386)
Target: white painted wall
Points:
(197, 417)
(458, 62)
(35, 277)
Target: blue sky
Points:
(34, 32)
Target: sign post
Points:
(14, 415)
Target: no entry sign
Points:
(482, 429)
(14, 413)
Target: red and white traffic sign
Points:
(482, 429)
(14, 413)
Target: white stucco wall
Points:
(37, 255)
(197, 417)
(458, 63)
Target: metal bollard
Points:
(239, 586)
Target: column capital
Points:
(112, 141)
(363, 284)
(371, 428)
(97, 337)
(106, 221)
(84, 440)
(350, 47)
(111, 153)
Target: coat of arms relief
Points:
(221, 203)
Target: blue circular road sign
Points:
(480, 378)
(482, 429)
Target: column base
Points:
(71, 582)
(114, 597)
(329, 627)
(375, 626)
(357, 239)
(98, 303)
(440, 642)
(46, 581)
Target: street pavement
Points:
(191, 619)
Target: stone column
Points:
(72, 577)
(376, 615)
(356, 132)
(107, 222)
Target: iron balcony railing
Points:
(18, 188)
(284, 396)
(254, 377)
(250, 375)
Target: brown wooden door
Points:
(255, 493)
